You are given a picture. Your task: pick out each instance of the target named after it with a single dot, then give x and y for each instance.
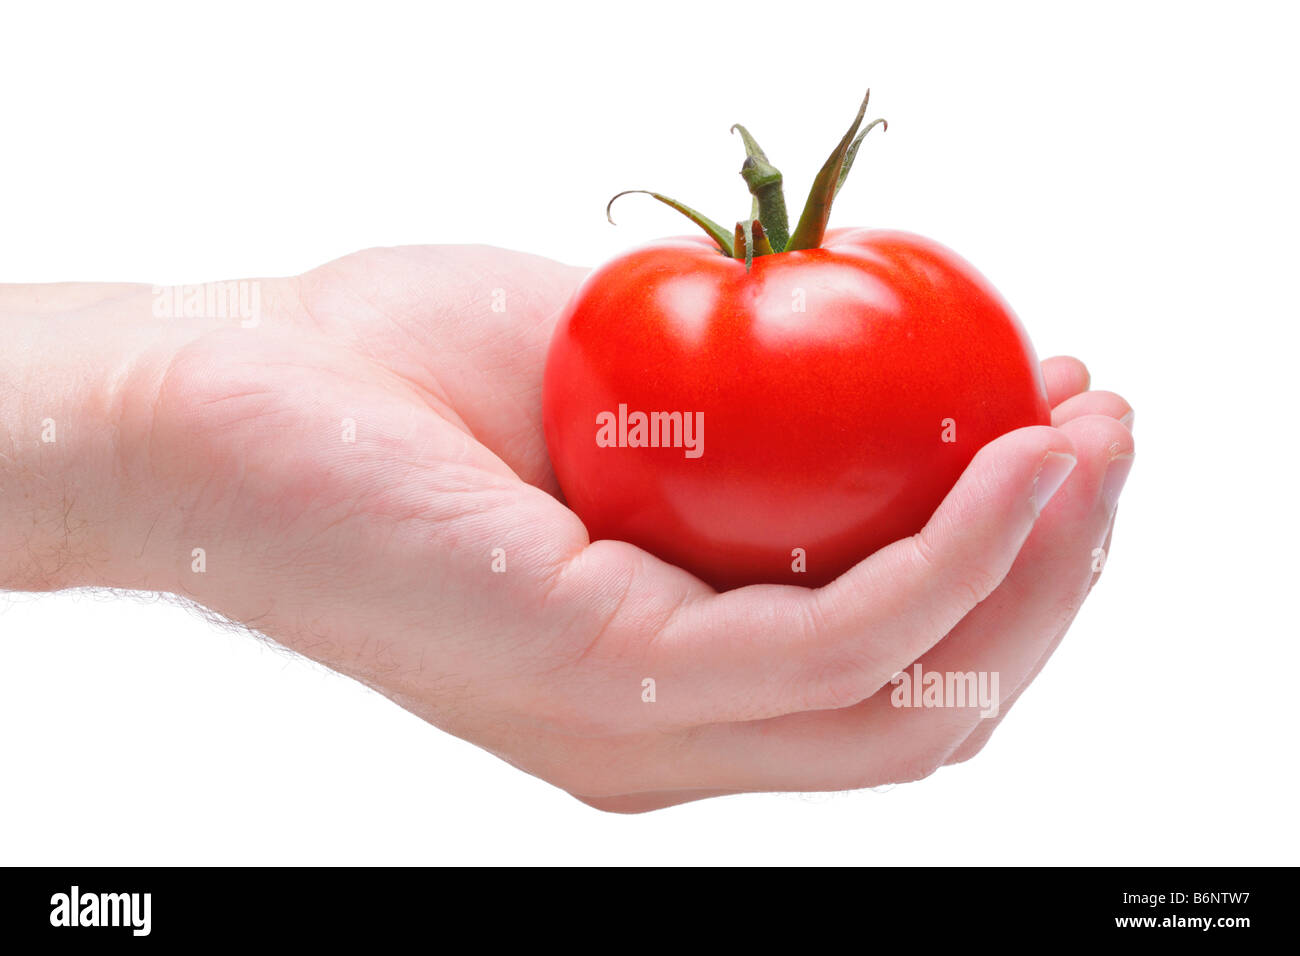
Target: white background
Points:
(1124, 173)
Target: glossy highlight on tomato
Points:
(842, 390)
(773, 404)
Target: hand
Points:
(376, 556)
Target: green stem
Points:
(744, 244)
(764, 182)
(852, 154)
(716, 232)
(767, 231)
(817, 210)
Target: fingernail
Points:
(1116, 474)
(1056, 467)
(1127, 420)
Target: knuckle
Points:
(837, 684)
(923, 552)
(969, 580)
(971, 588)
(920, 762)
(975, 584)
(969, 749)
(914, 769)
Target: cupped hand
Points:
(365, 476)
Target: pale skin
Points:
(375, 556)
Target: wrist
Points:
(79, 373)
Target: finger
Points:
(999, 644)
(768, 650)
(1094, 403)
(1065, 377)
(976, 740)
(997, 647)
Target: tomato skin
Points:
(823, 428)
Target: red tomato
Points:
(841, 391)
